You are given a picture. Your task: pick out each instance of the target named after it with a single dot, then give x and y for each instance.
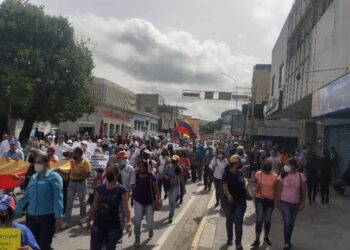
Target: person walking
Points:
(45, 202)
(14, 153)
(80, 171)
(291, 198)
(107, 225)
(265, 195)
(234, 200)
(218, 165)
(145, 191)
(7, 216)
(312, 175)
(195, 162)
(325, 175)
(163, 160)
(208, 173)
(172, 179)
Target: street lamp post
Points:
(236, 86)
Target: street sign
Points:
(191, 94)
(238, 125)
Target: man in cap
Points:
(86, 152)
(7, 212)
(61, 147)
(14, 153)
(127, 172)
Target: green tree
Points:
(211, 127)
(45, 72)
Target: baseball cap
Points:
(13, 142)
(122, 155)
(234, 159)
(6, 202)
(84, 142)
(175, 158)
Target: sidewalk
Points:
(321, 227)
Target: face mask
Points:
(4, 219)
(38, 168)
(287, 168)
(110, 177)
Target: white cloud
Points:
(147, 54)
(137, 55)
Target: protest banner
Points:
(12, 167)
(7, 181)
(64, 165)
(10, 238)
(91, 146)
(96, 161)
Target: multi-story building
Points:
(309, 78)
(116, 113)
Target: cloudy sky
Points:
(163, 46)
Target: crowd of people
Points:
(140, 170)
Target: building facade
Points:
(116, 113)
(310, 64)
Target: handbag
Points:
(166, 182)
(156, 204)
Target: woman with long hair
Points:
(291, 198)
(265, 195)
(108, 227)
(234, 200)
(145, 191)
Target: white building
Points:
(311, 52)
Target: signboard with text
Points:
(238, 125)
(10, 238)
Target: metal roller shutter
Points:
(339, 137)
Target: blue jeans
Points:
(74, 188)
(263, 212)
(99, 236)
(234, 214)
(218, 189)
(173, 193)
(140, 211)
(289, 214)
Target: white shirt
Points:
(134, 156)
(128, 177)
(163, 161)
(4, 146)
(59, 149)
(218, 166)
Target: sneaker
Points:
(255, 244)
(267, 241)
(239, 247)
(229, 242)
(287, 247)
(170, 220)
(137, 243)
(150, 234)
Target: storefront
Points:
(331, 109)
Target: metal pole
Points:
(253, 109)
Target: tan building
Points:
(261, 83)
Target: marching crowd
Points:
(140, 173)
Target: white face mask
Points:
(38, 167)
(287, 168)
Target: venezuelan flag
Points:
(185, 128)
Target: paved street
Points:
(176, 236)
(321, 227)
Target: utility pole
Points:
(253, 109)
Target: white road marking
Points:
(171, 227)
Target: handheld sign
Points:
(96, 161)
(10, 238)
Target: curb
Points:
(197, 237)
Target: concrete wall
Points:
(330, 44)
